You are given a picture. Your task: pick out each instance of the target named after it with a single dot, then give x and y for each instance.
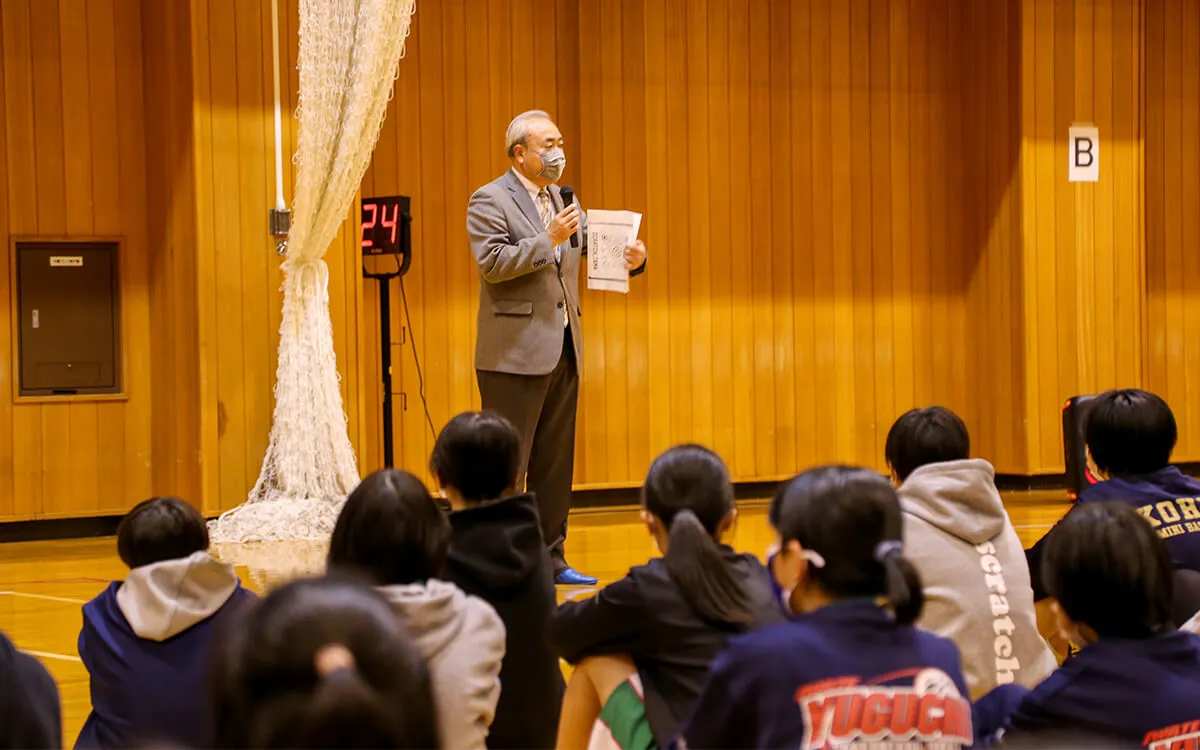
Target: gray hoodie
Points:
(973, 568)
(462, 640)
(164, 599)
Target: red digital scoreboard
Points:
(385, 225)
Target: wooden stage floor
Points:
(44, 584)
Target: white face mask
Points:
(554, 161)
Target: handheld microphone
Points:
(568, 197)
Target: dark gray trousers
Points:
(542, 408)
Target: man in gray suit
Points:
(529, 345)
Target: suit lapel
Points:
(521, 196)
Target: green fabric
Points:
(624, 714)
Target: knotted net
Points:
(349, 54)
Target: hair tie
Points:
(331, 659)
(814, 558)
(887, 548)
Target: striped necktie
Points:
(544, 207)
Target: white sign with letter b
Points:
(1084, 144)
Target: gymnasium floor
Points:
(44, 584)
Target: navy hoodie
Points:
(846, 673)
(145, 642)
(497, 554)
(1168, 498)
(1142, 693)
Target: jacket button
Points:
(560, 304)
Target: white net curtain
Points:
(350, 51)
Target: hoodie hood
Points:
(958, 497)
(499, 543)
(435, 613)
(166, 598)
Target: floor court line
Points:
(44, 597)
(52, 655)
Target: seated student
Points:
(29, 708)
(849, 667)
(972, 565)
(392, 531)
(321, 663)
(146, 641)
(497, 554)
(650, 637)
(1137, 678)
(1130, 435)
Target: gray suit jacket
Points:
(522, 290)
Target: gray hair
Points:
(518, 129)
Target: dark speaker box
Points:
(1074, 416)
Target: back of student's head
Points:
(158, 529)
(1109, 570)
(850, 518)
(1129, 432)
(478, 453)
(390, 530)
(321, 663)
(688, 490)
(926, 436)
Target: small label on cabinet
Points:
(36, 322)
(60, 261)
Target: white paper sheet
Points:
(608, 234)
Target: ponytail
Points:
(904, 589)
(695, 563)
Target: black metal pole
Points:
(385, 355)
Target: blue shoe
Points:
(572, 577)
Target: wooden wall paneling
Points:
(614, 138)
(1172, 199)
(1156, 140)
(51, 221)
(228, 252)
(676, 263)
(831, 437)
(722, 248)
(1176, 376)
(695, 195)
(460, 268)
(780, 201)
(801, 230)
(591, 426)
(658, 232)
(760, 248)
(880, 222)
(253, 99)
(207, 124)
(1189, 193)
(81, 474)
(127, 121)
(10, 505)
(108, 193)
(413, 442)
(899, 83)
(841, 142)
(922, 231)
(862, 299)
(635, 151)
(432, 323)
